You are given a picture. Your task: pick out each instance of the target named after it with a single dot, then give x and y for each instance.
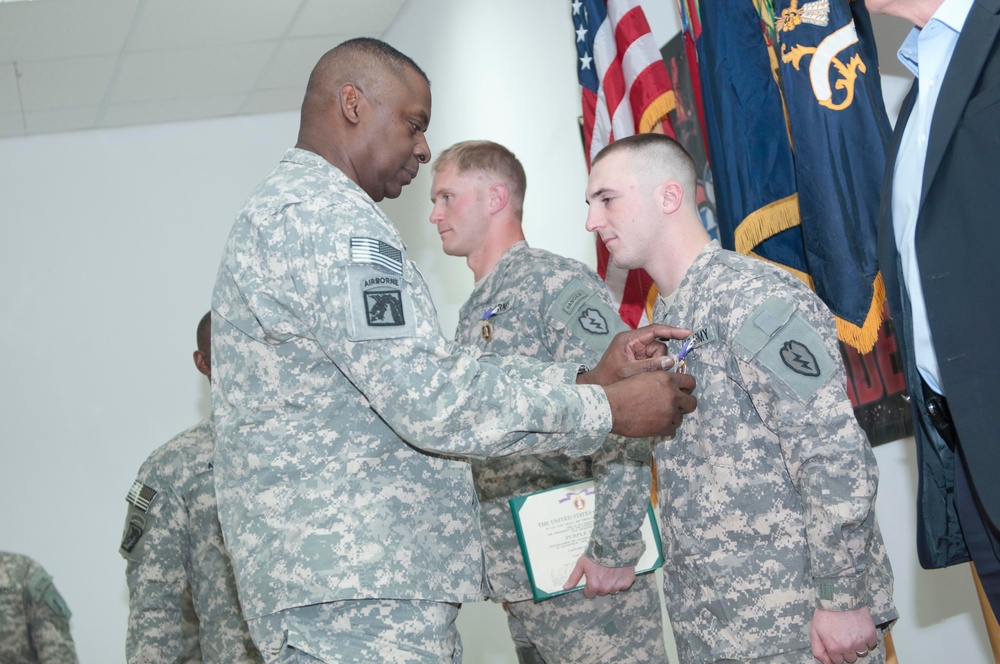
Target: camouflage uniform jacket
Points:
(176, 558)
(338, 403)
(767, 492)
(552, 308)
(34, 619)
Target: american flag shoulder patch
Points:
(378, 253)
(140, 495)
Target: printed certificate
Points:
(553, 528)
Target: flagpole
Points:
(992, 627)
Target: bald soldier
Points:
(340, 408)
(182, 594)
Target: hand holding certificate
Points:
(553, 528)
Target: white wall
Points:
(110, 242)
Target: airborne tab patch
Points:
(381, 307)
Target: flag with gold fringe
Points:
(798, 163)
(794, 111)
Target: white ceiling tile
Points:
(11, 125)
(10, 101)
(322, 17)
(88, 63)
(200, 72)
(170, 24)
(48, 84)
(69, 119)
(171, 110)
(294, 61)
(63, 28)
(273, 101)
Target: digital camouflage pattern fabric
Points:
(34, 618)
(339, 404)
(182, 593)
(767, 491)
(541, 305)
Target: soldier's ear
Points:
(671, 196)
(203, 362)
(499, 195)
(350, 102)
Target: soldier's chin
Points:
(621, 263)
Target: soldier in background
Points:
(182, 595)
(535, 303)
(34, 619)
(767, 493)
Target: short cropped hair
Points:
(657, 156)
(490, 158)
(363, 61)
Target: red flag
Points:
(625, 90)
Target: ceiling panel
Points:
(196, 72)
(62, 119)
(322, 17)
(52, 29)
(293, 61)
(9, 102)
(173, 24)
(101, 63)
(49, 84)
(171, 110)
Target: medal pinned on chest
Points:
(681, 364)
(487, 326)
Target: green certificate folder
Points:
(553, 528)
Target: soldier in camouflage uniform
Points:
(535, 303)
(767, 493)
(182, 595)
(337, 402)
(34, 619)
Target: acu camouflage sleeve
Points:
(432, 392)
(794, 374)
(155, 544)
(49, 617)
(580, 323)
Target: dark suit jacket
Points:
(958, 250)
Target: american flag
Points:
(625, 90)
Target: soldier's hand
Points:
(633, 352)
(650, 404)
(601, 580)
(842, 636)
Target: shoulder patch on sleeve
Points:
(140, 496)
(787, 346)
(43, 591)
(138, 521)
(381, 305)
(579, 309)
